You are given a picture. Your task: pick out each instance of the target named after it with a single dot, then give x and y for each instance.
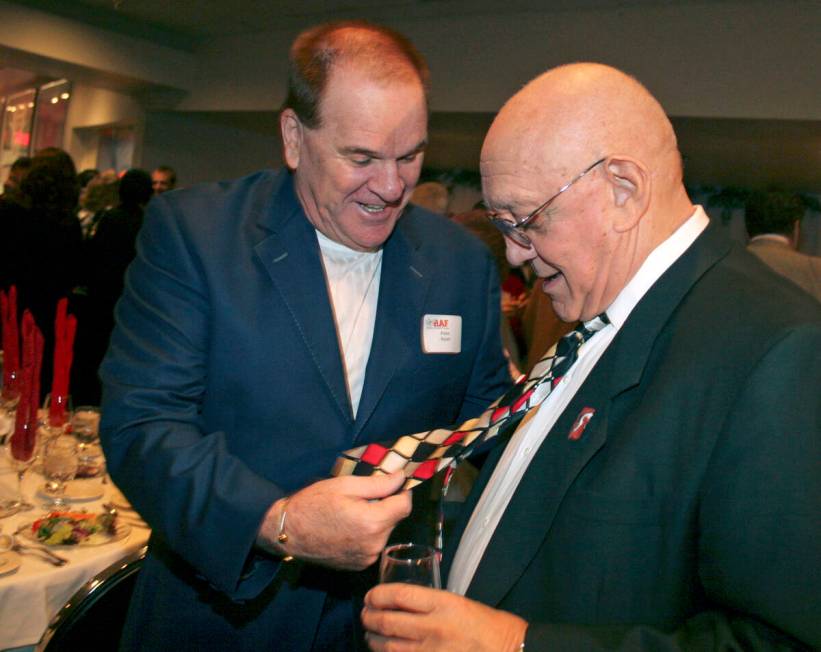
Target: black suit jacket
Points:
(688, 515)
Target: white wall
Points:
(201, 149)
(92, 108)
(55, 42)
(751, 59)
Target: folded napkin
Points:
(65, 327)
(11, 336)
(24, 437)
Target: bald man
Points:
(666, 494)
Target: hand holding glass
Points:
(411, 563)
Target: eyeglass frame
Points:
(514, 229)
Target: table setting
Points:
(62, 521)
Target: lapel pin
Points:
(581, 423)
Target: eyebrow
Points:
(363, 151)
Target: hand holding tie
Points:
(340, 522)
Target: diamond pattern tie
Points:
(424, 454)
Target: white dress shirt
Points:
(537, 424)
(353, 284)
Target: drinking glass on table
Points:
(411, 563)
(21, 455)
(58, 414)
(85, 424)
(60, 464)
(10, 393)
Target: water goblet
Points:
(85, 424)
(411, 563)
(21, 454)
(58, 411)
(60, 462)
(10, 392)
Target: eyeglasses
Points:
(514, 229)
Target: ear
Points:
(292, 133)
(631, 186)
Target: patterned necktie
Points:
(424, 454)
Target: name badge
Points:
(442, 333)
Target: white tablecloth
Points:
(31, 596)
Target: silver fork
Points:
(45, 553)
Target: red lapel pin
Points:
(581, 423)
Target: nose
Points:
(387, 183)
(518, 255)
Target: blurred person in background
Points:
(11, 186)
(163, 179)
(108, 253)
(432, 195)
(100, 194)
(477, 223)
(773, 220)
(84, 177)
(40, 250)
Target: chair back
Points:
(94, 616)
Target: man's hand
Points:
(342, 522)
(405, 617)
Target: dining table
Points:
(32, 589)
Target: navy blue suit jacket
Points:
(688, 514)
(224, 390)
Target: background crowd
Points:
(70, 234)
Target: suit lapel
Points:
(403, 287)
(290, 254)
(530, 513)
(561, 459)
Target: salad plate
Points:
(73, 529)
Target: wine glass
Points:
(411, 563)
(10, 392)
(58, 414)
(60, 462)
(85, 424)
(21, 453)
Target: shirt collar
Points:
(659, 260)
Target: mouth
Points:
(375, 209)
(550, 281)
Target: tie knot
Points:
(583, 332)
(591, 326)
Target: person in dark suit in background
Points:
(666, 494)
(107, 254)
(773, 222)
(268, 323)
